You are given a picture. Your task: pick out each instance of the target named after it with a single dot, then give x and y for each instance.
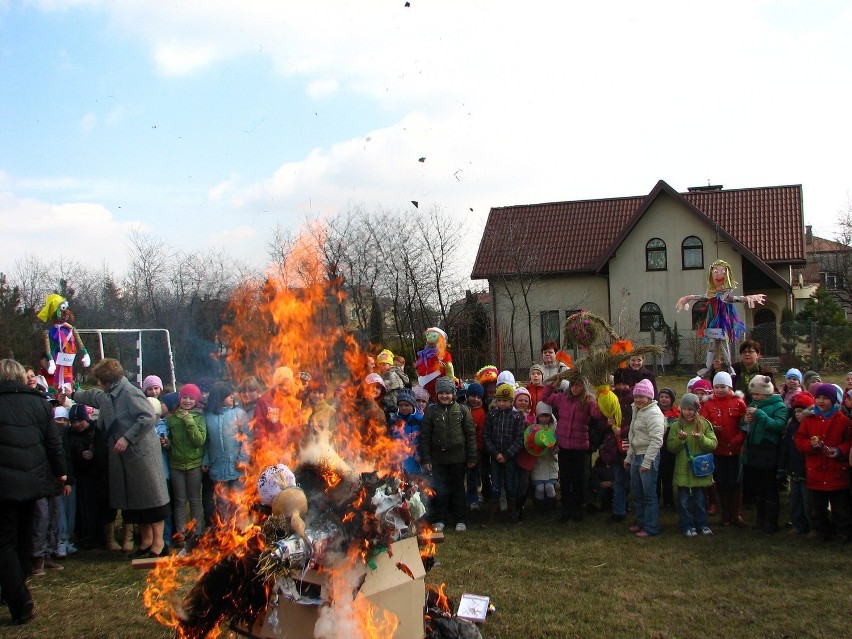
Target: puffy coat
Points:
(447, 435)
(763, 439)
(227, 443)
(31, 453)
(705, 443)
(136, 477)
(575, 414)
(822, 472)
(725, 414)
(647, 427)
(186, 444)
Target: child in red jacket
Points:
(825, 438)
(725, 411)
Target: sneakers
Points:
(635, 528)
(474, 505)
(691, 532)
(61, 551)
(70, 548)
(438, 526)
(460, 527)
(37, 564)
(642, 534)
(706, 530)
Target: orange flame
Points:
(291, 319)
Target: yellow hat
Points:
(51, 305)
(385, 357)
(505, 391)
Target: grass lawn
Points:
(548, 580)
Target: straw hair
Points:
(10, 371)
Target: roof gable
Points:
(764, 224)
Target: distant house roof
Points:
(765, 224)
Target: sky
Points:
(206, 123)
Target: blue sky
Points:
(209, 122)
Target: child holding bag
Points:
(691, 435)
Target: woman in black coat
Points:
(32, 462)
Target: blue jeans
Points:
(643, 488)
(67, 515)
(501, 473)
(800, 505)
(694, 514)
(619, 488)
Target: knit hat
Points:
(521, 391)
(543, 408)
(171, 400)
(420, 393)
(506, 377)
(723, 378)
(405, 395)
(690, 385)
(505, 391)
(385, 357)
(537, 367)
(156, 405)
(689, 400)
(282, 374)
(794, 372)
(486, 374)
(644, 388)
(669, 392)
(78, 412)
(703, 385)
(475, 389)
(829, 391)
(445, 385)
(191, 390)
(802, 400)
(60, 412)
(761, 384)
(810, 377)
(151, 380)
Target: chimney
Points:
(809, 235)
(709, 187)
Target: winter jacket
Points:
(705, 443)
(742, 377)
(227, 444)
(546, 466)
(80, 442)
(763, 439)
(407, 428)
(504, 432)
(136, 478)
(31, 454)
(823, 472)
(447, 435)
(790, 458)
(632, 377)
(726, 414)
(647, 426)
(186, 445)
(479, 415)
(575, 414)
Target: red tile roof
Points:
(580, 236)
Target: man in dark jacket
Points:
(32, 463)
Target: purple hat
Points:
(151, 380)
(829, 391)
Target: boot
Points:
(772, 510)
(727, 508)
(109, 535)
(760, 509)
(579, 510)
(127, 544)
(713, 501)
(512, 510)
(37, 564)
(540, 505)
(737, 511)
(550, 504)
(491, 508)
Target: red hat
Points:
(191, 390)
(802, 400)
(703, 384)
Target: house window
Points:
(650, 317)
(655, 255)
(692, 253)
(830, 280)
(550, 327)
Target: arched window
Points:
(692, 253)
(650, 317)
(655, 255)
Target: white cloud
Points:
(182, 59)
(319, 89)
(88, 232)
(88, 123)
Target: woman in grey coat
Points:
(137, 482)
